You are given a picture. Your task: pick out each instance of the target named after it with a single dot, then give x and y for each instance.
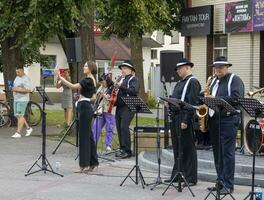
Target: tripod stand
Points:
(180, 106)
(45, 162)
(255, 109)
(219, 106)
(158, 179)
(135, 104)
(75, 121)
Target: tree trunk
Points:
(11, 58)
(137, 59)
(87, 39)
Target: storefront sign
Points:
(197, 21)
(258, 15)
(238, 16)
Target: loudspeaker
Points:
(168, 62)
(73, 50)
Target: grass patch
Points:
(56, 117)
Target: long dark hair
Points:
(92, 66)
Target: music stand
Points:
(254, 108)
(180, 105)
(219, 106)
(137, 105)
(45, 162)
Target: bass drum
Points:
(256, 143)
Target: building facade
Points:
(232, 34)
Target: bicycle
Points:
(32, 114)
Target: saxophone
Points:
(259, 91)
(202, 111)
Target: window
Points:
(220, 45)
(160, 37)
(154, 54)
(48, 65)
(175, 37)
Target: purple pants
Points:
(108, 120)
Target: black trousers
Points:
(87, 147)
(123, 119)
(224, 152)
(188, 164)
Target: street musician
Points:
(187, 90)
(128, 86)
(225, 85)
(103, 117)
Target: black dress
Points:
(189, 155)
(87, 147)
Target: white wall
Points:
(167, 46)
(146, 66)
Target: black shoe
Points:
(214, 188)
(125, 155)
(118, 154)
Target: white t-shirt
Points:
(22, 82)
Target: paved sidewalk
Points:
(17, 155)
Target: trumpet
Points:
(260, 91)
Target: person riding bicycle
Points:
(21, 89)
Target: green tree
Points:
(26, 25)
(127, 18)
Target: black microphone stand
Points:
(158, 179)
(45, 162)
(180, 105)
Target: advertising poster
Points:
(258, 15)
(238, 16)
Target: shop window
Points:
(220, 45)
(48, 66)
(154, 54)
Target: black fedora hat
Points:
(219, 61)
(127, 63)
(182, 62)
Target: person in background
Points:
(21, 89)
(103, 117)
(88, 159)
(66, 97)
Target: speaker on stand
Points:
(168, 61)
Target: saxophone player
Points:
(187, 90)
(225, 85)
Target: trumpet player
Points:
(187, 90)
(225, 85)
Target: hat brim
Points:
(220, 64)
(189, 64)
(126, 65)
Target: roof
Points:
(146, 42)
(105, 48)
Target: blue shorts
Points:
(20, 108)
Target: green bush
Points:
(151, 102)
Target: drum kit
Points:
(254, 143)
(254, 130)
